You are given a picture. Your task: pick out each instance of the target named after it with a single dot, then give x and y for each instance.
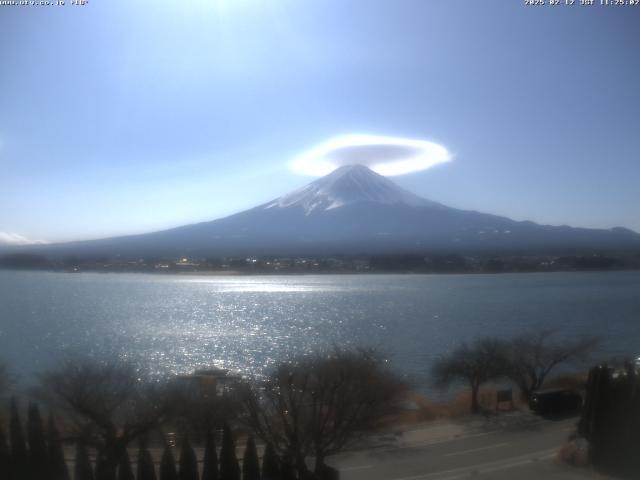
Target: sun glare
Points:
(387, 156)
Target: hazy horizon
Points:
(23, 241)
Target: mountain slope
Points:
(346, 186)
(353, 210)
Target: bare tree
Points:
(109, 403)
(319, 405)
(477, 364)
(532, 357)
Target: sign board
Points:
(505, 395)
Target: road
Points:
(524, 448)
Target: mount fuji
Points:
(353, 211)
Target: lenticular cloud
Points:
(387, 156)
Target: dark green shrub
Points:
(610, 419)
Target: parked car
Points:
(556, 400)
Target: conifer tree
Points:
(286, 469)
(125, 472)
(104, 469)
(270, 464)
(19, 454)
(188, 462)
(250, 462)
(145, 470)
(82, 469)
(58, 469)
(229, 467)
(38, 462)
(168, 465)
(5, 456)
(210, 464)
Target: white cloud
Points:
(388, 156)
(10, 238)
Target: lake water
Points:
(179, 323)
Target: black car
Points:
(556, 400)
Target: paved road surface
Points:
(523, 448)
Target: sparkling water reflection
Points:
(179, 323)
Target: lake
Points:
(173, 323)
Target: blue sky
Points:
(125, 117)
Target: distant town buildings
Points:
(398, 263)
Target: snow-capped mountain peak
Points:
(351, 211)
(345, 186)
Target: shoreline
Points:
(238, 273)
